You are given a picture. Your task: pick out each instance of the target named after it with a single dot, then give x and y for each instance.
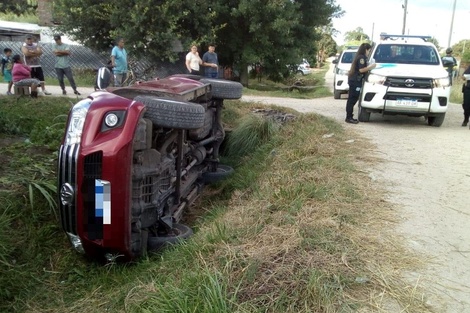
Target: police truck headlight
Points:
(376, 79)
(442, 82)
(342, 72)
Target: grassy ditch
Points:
(299, 227)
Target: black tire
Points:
(436, 120)
(337, 94)
(200, 133)
(223, 171)
(173, 114)
(364, 116)
(224, 89)
(190, 76)
(179, 233)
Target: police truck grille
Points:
(409, 82)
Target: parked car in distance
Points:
(304, 68)
(343, 64)
(409, 79)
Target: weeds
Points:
(253, 132)
(48, 192)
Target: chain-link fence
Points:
(84, 58)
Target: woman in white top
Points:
(193, 61)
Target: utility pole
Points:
(372, 37)
(451, 23)
(405, 9)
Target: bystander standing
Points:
(32, 53)
(62, 65)
(119, 62)
(193, 61)
(7, 65)
(211, 62)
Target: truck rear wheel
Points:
(173, 114)
(224, 89)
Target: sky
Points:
(424, 17)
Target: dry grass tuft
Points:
(317, 235)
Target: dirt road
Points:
(426, 171)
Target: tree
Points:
(326, 46)
(357, 35)
(461, 47)
(275, 32)
(18, 7)
(435, 42)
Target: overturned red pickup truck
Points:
(134, 158)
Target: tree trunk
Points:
(244, 74)
(44, 12)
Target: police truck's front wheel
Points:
(364, 116)
(436, 120)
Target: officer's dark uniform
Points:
(355, 85)
(466, 99)
(449, 62)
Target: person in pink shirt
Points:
(22, 76)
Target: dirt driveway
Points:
(426, 171)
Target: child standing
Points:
(7, 65)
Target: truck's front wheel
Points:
(436, 120)
(178, 233)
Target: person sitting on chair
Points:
(22, 76)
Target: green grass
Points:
(456, 95)
(82, 77)
(314, 86)
(291, 231)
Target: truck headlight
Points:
(76, 243)
(111, 120)
(442, 82)
(76, 122)
(342, 72)
(376, 79)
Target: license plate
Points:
(407, 102)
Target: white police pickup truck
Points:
(409, 79)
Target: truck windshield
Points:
(406, 54)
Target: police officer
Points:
(359, 68)
(449, 62)
(466, 96)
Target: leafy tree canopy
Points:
(462, 50)
(357, 35)
(18, 7)
(273, 32)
